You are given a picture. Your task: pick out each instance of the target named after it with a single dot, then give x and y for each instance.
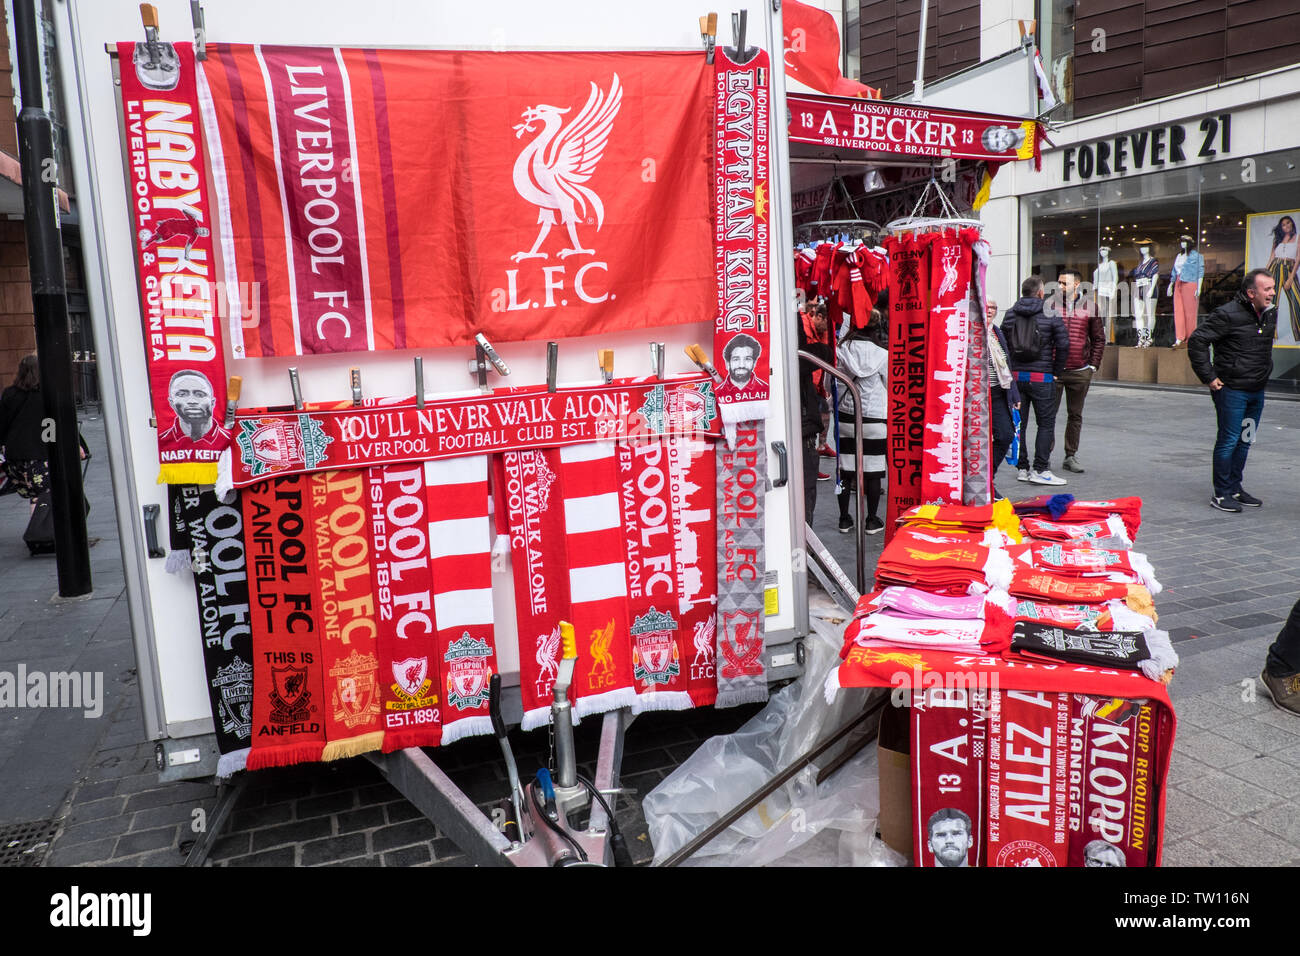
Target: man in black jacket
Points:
(1036, 375)
(1241, 335)
(810, 406)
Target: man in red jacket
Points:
(1087, 342)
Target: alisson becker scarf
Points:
(692, 464)
(409, 676)
(742, 560)
(654, 614)
(1027, 778)
(949, 741)
(594, 541)
(213, 534)
(1111, 796)
(289, 703)
(460, 546)
(534, 505)
(349, 632)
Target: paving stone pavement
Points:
(1234, 784)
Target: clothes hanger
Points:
(947, 219)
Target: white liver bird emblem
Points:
(552, 170)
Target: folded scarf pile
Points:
(1151, 651)
(1065, 508)
(1108, 616)
(1081, 561)
(1108, 533)
(999, 516)
(943, 564)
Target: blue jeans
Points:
(1238, 413)
(1042, 396)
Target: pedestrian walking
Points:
(1038, 345)
(21, 415)
(1087, 343)
(1281, 674)
(1232, 353)
(862, 356)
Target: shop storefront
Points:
(1215, 171)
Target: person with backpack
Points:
(21, 414)
(1038, 344)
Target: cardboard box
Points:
(1109, 369)
(1138, 365)
(895, 819)
(1174, 367)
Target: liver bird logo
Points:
(553, 169)
(703, 640)
(548, 648)
(601, 658)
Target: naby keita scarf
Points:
(654, 611)
(595, 543)
(410, 677)
(460, 546)
(534, 504)
(349, 630)
(212, 534)
(742, 561)
(289, 702)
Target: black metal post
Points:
(50, 305)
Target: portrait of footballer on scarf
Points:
(192, 398)
(950, 837)
(740, 355)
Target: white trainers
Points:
(1022, 474)
(1045, 478)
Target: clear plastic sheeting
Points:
(800, 824)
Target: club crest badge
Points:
(683, 408)
(290, 698)
(234, 686)
(742, 644)
(467, 672)
(654, 651)
(411, 685)
(271, 445)
(355, 698)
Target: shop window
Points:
(1056, 45)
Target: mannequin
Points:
(1144, 277)
(1185, 288)
(1105, 280)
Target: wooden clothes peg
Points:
(605, 359)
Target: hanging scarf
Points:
(692, 464)
(977, 436)
(212, 534)
(1112, 800)
(593, 538)
(654, 615)
(742, 480)
(289, 702)
(947, 332)
(909, 297)
(949, 742)
(460, 546)
(534, 505)
(409, 676)
(1027, 778)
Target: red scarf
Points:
(289, 703)
(1027, 778)
(460, 543)
(947, 331)
(534, 507)
(409, 675)
(909, 297)
(654, 615)
(1112, 751)
(597, 580)
(949, 743)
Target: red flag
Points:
(812, 52)
(391, 199)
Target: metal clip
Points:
(484, 354)
(700, 357)
(200, 30)
(354, 374)
(296, 386)
(419, 381)
(605, 359)
(552, 363)
(149, 17)
(709, 34)
(232, 400)
(657, 359)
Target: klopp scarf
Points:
(1112, 781)
(534, 506)
(213, 535)
(409, 676)
(741, 337)
(909, 297)
(742, 561)
(594, 541)
(289, 703)
(176, 267)
(349, 632)
(692, 465)
(947, 337)
(949, 744)
(654, 606)
(1027, 778)
(460, 546)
